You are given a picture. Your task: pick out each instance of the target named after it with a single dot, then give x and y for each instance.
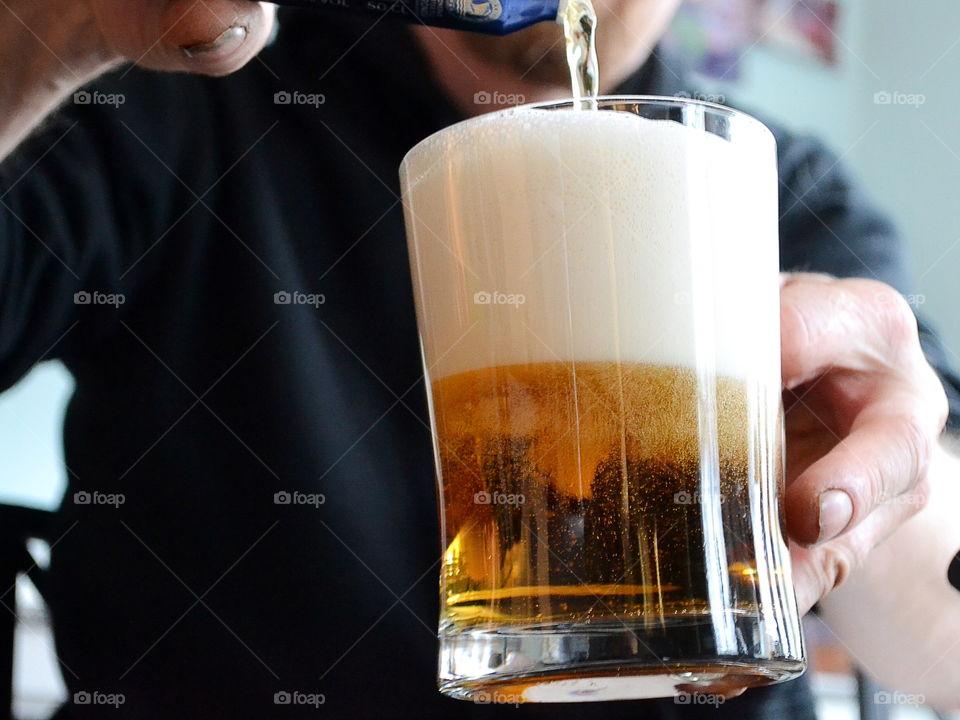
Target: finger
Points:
(885, 455)
(821, 316)
(213, 37)
(819, 570)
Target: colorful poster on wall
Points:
(806, 27)
(717, 34)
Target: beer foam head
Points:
(544, 235)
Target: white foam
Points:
(608, 236)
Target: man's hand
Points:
(50, 48)
(213, 37)
(864, 411)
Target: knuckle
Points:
(890, 307)
(874, 292)
(917, 447)
(836, 564)
(872, 492)
(795, 319)
(795, 325)
(940, 404)
(864, 476)
(919, 495)
(899, 321)
(943, 414)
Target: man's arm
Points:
(895, 608)
(81, 196)
(898, 615)
(50, 48)
(46, 54)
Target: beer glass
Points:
(598, 302)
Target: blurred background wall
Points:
(906, 152)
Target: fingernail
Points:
(228, 39)
(836, 512)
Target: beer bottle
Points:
(492, 17)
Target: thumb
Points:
(210, 37)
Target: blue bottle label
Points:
(480, 11)
(495, 17)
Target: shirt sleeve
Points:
(827, 224)
(56, 242)
(81, 203)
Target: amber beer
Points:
(597, 297)
(544, 524)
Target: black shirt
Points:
(200, 397)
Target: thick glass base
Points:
(606, 661)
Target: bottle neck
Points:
(491, 17)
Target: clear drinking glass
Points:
(598, 303)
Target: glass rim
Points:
(603, 101)
(661, 100)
